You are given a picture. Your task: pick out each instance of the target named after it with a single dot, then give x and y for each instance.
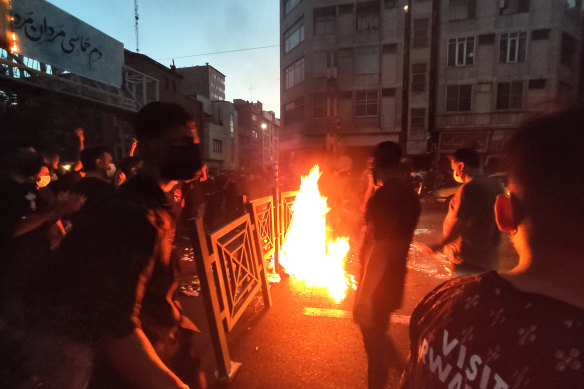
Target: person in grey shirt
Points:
(471, 237)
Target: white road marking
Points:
(341, 314)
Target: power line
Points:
(221, 52)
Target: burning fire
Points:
(307, 253)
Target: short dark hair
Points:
(386, 155)
(545, 159)
(154, 119)
(89, 155)
(469, 157)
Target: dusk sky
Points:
(181, 29)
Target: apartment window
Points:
(388, 92)
(513, 6)
(366, 102)
(421, 32)
(294, 36)
(289, 5)
(295, 73)
(325, 21)
(231, 124)
(419, 77)
(217, 146)
(458, 98)
(461, 51)
(345, 9)
(568, 49)
(418, 123)
(367, 17)
(461, 9)
(537, 84)
(389, 4)
(540, 35)
(510, 95)
(512, 47)
(390, 48)
(319, 105)
(294, 111)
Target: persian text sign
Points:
(48, 34)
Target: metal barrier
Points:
(234, 273)
(234, 270)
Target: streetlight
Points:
(264, 125)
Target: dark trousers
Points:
(382, 355)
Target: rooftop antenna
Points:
(137, 18)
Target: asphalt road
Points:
(308, 341)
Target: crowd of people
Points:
(88, 269)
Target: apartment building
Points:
(433, 75)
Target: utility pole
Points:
(137, 18)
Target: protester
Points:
(392, 213)
(524, 328)
(81, 319)
(471, 237)
(99, 172)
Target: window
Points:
(390, 48)
(460, 51)
(345, 9)
(461, 9)
(510, 95)
(217, 145)
(388, 92)
(289, 5)
(319, 105)
(458, 98)
(295, 73)
(537, 84)
(512, 47)
(568, 49)
(366, 102)
(507, 7)
(294, 36)
(540, 35)
(421, 32)
(418, 123)
(294, 111)
(325, 21)
(367, 17)
(419, 77)
(231, 124)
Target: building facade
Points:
(433, 75)
(204, 81)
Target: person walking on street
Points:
(391, 215)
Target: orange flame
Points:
(306, 253)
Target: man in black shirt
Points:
(114, 262)
(524, 328)
(391, 215)
(99, 172)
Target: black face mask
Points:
(180, 162)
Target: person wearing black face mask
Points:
(101, 315)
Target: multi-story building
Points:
(270, 137)
(250, 117)
(203, 81)
(433, 75)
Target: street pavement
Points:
(306, 340)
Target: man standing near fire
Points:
(391, 215)
(471, 237)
